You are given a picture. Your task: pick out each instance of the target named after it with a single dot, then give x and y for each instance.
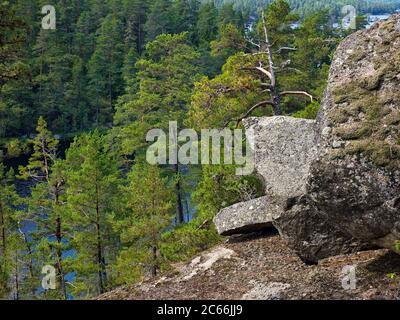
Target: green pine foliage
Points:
(148, 213)
(45, 205)
(92, 197)
(77, 102)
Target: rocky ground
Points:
(261, 267)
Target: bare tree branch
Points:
(302, 93)
(266, 85)
(249, 112)
(253, 43)
(261, 69)
(286, 49)
(255, 53)
(292, 69)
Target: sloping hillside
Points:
(260, 266)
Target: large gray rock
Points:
(352, 199)
(283, 152)
(355, 182)
(244, 217)
(284, 149)
(333, 186)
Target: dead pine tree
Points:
(267, 70)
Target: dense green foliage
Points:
(77, 102)
(305, 7)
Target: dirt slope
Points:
(262, 267)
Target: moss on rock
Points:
(367, 111)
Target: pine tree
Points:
(315, 43)
(228, 15)
(45, 204)
(92, 196)
(8, 227)
(11, 41)
(13, 71)
(105, 69)
(185, 15)
(149, 213)
(166, 81)
(159, 20)
(136, 15)
(207, 24)
(255, 79)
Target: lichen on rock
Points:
(356, 186)
(367, 104)
(334, 184)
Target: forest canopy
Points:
(76, 102)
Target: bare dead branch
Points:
(266, 85)
(251, 41)
(204, 225)
(260, 69)
(292, 69)
(249, 112)
(286, 49)
(256, 53)
(302, 93)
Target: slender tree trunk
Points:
(60, 271)
(154, 267)
(3, 232)
(100, 258)
(276, 98)
(30, 262)
(139, 44)
(180, 218)
(16, 278)
(45, 161)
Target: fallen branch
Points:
(203, 225)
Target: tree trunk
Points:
(30, 261)
(16, 278)
(60, 271)
(3, 232)
(180, 217)
(59, 267)
(154, 267)
(276, 98)
(100, 258)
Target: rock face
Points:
(284, 148)
(284, 151)
(355, 182)
(333, 185)
(271, 291)
(244, 217)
